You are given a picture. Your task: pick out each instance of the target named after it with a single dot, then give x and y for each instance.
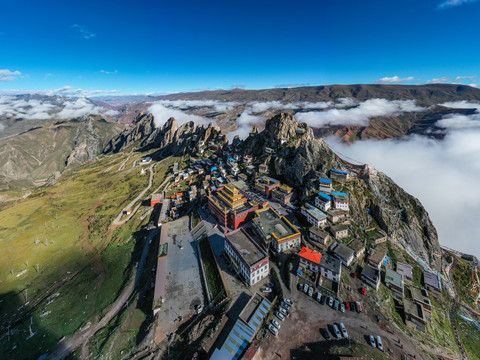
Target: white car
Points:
(336, 331)
(285, 306)
(288, 301)
(379, 343)
(267, 290)
(280, 316)
(283, 311)
(319, 296)
(275, 323)
(310, 291)
(273, 330)
(342, 307)
(372, 341)
(343, 330)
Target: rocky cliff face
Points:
(172, 138)
(87, 143)
(302, 160)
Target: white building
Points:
(340, 200)
(323, 201)
(314, 216)
(325, 185)
(331, 268)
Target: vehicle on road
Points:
(269, 285)
(273, 329)
(325, 334)
(354, 275)
(358, 306)
(280, 316)
(323, 300)
(288, 301)
(335, 306)
(379, 343)
(319, 296)
(343, 329)
(275, 323)
(198, 308)
(372, 341)
(330, 301)
(336, 331)
(266, 290)
(285, 306)
(342, 307)
(363, 291)
(310, 291)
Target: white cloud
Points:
(359, 115)
(394, 80)
(220, 106)
(245, 123)
(463, 104)
(111, 112)
(162, 113)
(454, 80)
(66, 91)
(83, 31)
(346, 102)
(442, 174)
(109, 72)
(78, 108)
(7, 75)
(452, 3)
(316, 105)
(258, 107)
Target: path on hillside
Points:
(463, 353)
(73, 342)
(118, 220)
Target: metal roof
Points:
(325, 196)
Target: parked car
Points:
(300, 286)
(335, 306)
(347, 304)
(280, 316)
(310, 291)
(353, 305)
(342, 307)
(288, 301)
(336, 331)
(283, 311)
(363, 291)
(377, 318)
(270, 285)
(358, 306)
(379, 343)
(323, 300)
(273, 329)
(266, 290)
(330, 301)
(325, 334)
(343, 329)
(275, 323)
(285, 306)
(319, 296)
(305, 288)
(372, 341)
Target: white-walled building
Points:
(249, 260)
(314, 216)
(331, 268)
(325, 185)
(323, 201)
(340, 200)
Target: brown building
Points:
(339, 231)
(414, 315)
(266, 185)
(336, 216)
(317, 234)
(283, 194)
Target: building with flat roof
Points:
(420, 296)
(317, 234)
(275, 230)
(339, 231)
(432, 283)
(323, 201)
(377, 258)
(266, 185)
(331, 268)
(336, 216)
(231, 207)
(325, 185)
(406, 270)
(283, 194)
(340, 200)
(358, 248)
(371, 276)
(249, 259)
(310, 258)
(394, 281)
(339, 175)
(414, 315)
(314, 216)
(343, 253)
(156, 199)
(244, 330)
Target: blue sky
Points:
(166, 46)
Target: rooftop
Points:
(420, 295)
(310, 255)
(314, 212)
(319, 232)
(269, 222)
(343, 251)
(339, 227)
(265, 180)
(324, 196)
(331, 263)
(414, 309)
(370, 272)
(432, 280)
(339, 171)
(404, 269)
(157, 197)
(378, 256)
(394, 278)
(246, 246)
(340, 195)
(356, 245)
(336, 212)
(325, 181)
